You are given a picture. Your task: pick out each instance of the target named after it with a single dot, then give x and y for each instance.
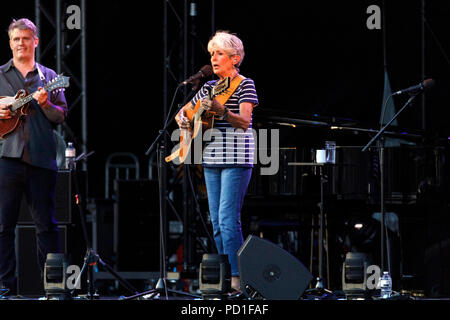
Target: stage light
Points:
(55, 277)
(359, 226)
(361, 234)
(214, 276)
(354, 273)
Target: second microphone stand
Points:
(381, 160)
(160, 144)
(91, 258)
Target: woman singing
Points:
(227, 162)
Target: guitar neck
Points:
(23, 101)
(221, 87)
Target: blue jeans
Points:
(226, 188)
(38, 185)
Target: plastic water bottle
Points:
(70, 156)
(330, 147)
(386, 285)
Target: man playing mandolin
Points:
(227, 162)
(28, 155)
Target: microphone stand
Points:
(161, 284)
(380, 143)
(91, 258)
(161, 150)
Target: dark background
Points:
(311, 58)
(308, 60)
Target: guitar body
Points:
(9, 125)
(202, 119)
(20, 104)
(207, 117)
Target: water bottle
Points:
(385, 285)
(330, 147)
(70, 156)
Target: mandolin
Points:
(19, 104)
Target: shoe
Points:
(234, 292)
(235, 283)
(236, 295)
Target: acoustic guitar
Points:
(200, 118)
(19, 104)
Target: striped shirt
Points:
(226, 146)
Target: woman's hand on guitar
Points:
(213, 106)
(182, 120)
(5, 112)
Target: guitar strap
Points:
(222, 99)
(41, 76)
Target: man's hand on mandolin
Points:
(5, 112)
(41, 96)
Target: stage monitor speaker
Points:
(29, 281)
(270, 272)
(63, 198)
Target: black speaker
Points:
(63, 198)
(271, 272)
(29, 281)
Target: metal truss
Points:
(60, 48)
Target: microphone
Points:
(205, 71)
(425, 85)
